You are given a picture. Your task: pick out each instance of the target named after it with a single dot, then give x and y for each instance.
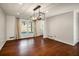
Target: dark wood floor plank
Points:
(38, 47)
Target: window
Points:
(26, 26)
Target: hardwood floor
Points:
(38, 47)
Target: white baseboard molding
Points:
(72, 44)
(2, 44)
(75, 43)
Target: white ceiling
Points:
(25, 9)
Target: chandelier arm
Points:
(36, 7)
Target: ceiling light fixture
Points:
(38, 15)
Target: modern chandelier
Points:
(38, 15)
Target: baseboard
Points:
(32, 37)
(62, 42)
(39, 36)
(76, 43)
(27, 38)
(2, 44)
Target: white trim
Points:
(2, 44)
(56, 39)
(75, 35)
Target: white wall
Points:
(10, 26)
(2, 28)
(63, 8)
(60, 28)
(78, 26)
(75, 25)
(39, 27)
